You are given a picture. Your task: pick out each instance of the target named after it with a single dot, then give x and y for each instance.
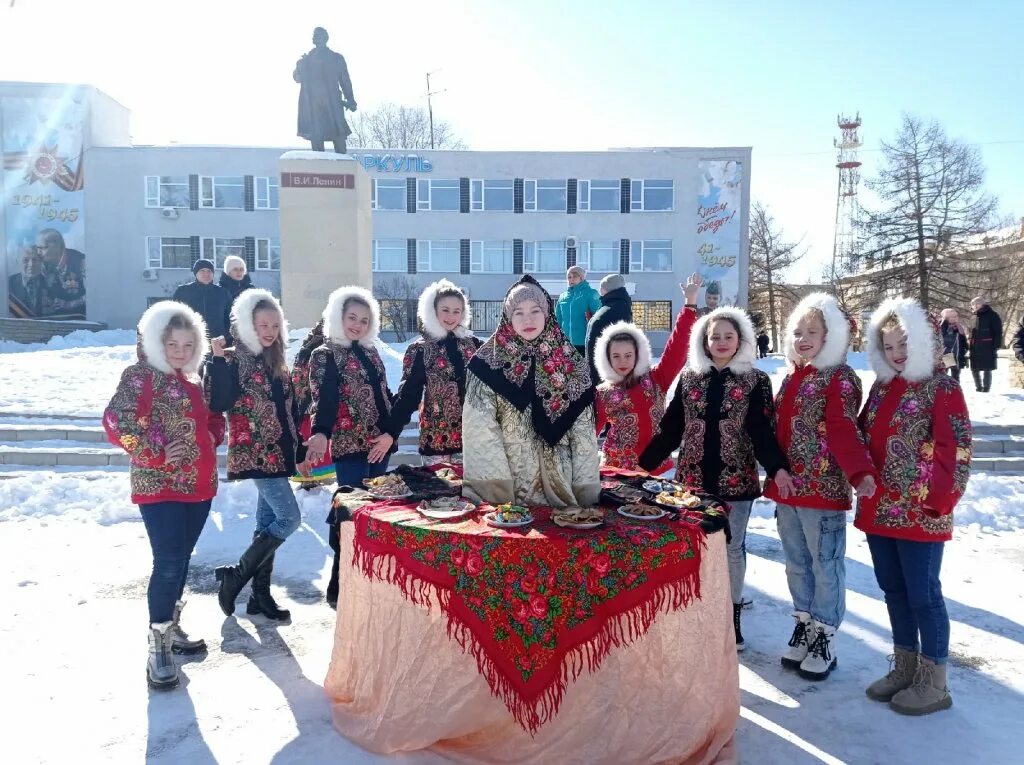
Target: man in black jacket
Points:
(616, 305)
(204, 297)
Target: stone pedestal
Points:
(326, 231)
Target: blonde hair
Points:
(274, 356)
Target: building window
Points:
(492, 195)
(218, 249)
(268, 254)
(168, 252)
(437, 255)
(389, 194)
(599, 257)
(545, 196)
(650, 255)
(222, 192)
(486, 314)
(437, 194)
(491, 257)
(266, 191)
(653, 315)
(544, 257)
(598, 196)
(167, 191)
(390, 255)
(647, 195)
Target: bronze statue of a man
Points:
(321, 107)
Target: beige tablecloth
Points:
(397, 683)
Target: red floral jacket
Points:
(149, 410)
(816, 424)
(920, 436)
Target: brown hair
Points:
(889, 324)
(735, 325)
(179, 321)
(624, 337)
(448, 292)
(274, 356)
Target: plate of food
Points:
(578, 517)
(677, 498)
(449, 476)
(654, 486)
(638, 512)
(626, 493)
(388, 486)
(509, 516)
(446, 508)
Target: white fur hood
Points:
(428, 316)
(242, 319)
(643, 351)
(743, 361)
(924, 345)
(334, 330)
(151, 330)
(837, 331)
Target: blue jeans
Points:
(815, 545)
(277, 511)
(173, 529)
(736, 552)
(908, 573)
(351, 471)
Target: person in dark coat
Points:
(986, 340)
(616, 305)
(235, 278)
(762, 345)
(1018, 341)
(204, 297)
(954, 341)
(321, 108)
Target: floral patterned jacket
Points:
(151, 409)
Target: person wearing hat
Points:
(712, 298)
(616, 306)
(575, 307)
(235, 278)
(207, 299)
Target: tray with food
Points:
(388, 486)
(509, 516)
(446, 508)
(677, 499)
(578, 517)
(640, 512)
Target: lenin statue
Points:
(321, 107)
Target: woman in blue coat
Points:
(575, 307)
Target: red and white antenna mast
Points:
(844, 247)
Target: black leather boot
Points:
(261, 601)
(233, 578)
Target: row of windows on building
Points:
(260, 254)
(515, 195)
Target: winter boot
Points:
(233, 578)
(798, 642)
(737, 609)
(161, 674)
(821, 652)
(902, 668)
(261, 601)
(180, 641)
(927, 694)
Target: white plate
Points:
(492, 520)
(443, 515)
(624, 514)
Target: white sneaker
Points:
(799, 641)
(821, 652)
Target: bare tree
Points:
(770, 254)
(397, 296)
(397, 126)
(932, 211)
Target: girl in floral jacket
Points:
(351, 399)
(631, 398)
(434, 376)
(321, 472)
(252, 384)
(919, 433)
(816, 414)
(160, 417)
(721, 410)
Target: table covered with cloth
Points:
(543, 644)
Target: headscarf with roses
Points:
(546, 372)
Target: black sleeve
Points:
(179, 294)
(410, 394)
(670, 432)
(999, 332)
(222, 382)
(760, 415)
(327, 404)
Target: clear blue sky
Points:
(568, 75)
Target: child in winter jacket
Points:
(919, 434)
(252, 384)
(631, 398)
(161, 418)
(721, 410)
(816, 416)
(434, 376)
(321, 472)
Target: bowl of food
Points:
(446, 508)
(509, 516)
(640, 512)
(388, 486)
(578, 517)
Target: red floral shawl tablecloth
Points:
(534, 608)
